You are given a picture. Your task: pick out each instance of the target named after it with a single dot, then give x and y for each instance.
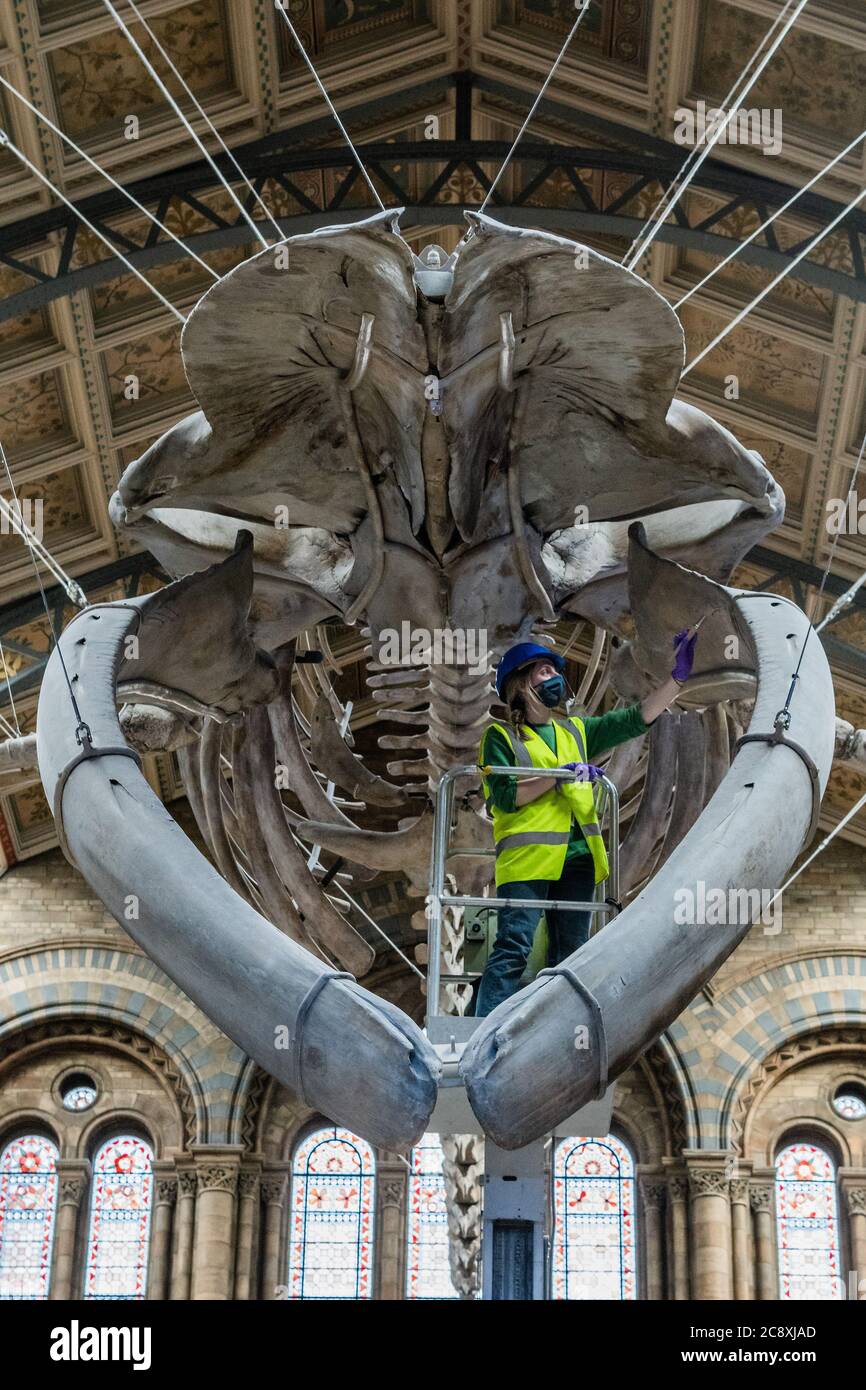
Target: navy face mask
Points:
(550, 692)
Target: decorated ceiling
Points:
(68, 422)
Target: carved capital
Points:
(761, 1198)
(187, 1184)
(678, 1189)
(166, 1191)
(217, 1177)
(248, 1183)
(740, 1191)
(708, 1182)
(392, 1192)
(856, 1200)
(71, 1189)
(653, 1193)
(274, 1188)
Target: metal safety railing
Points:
(605, 902)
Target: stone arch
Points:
(790, 1056)
(30, 1121)
(106, 988)
(283, 1119)
(641, 1113)
(724, 1038)
(254, 1088)
(106, 1036)
(670, 1080)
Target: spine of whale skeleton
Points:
(554, 386)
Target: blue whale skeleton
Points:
(487, 443)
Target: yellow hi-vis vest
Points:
(531, 841)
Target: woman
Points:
(548, 842)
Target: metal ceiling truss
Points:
(21, 612)
(417, 176)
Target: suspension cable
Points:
(8, 677)
(584, 11)
(82, 731)
(279, 7)
(105, 174)
(770, 220)
(728, 102)
(731, 102)
(844, 601)
(783, 718)
(759, 299)
(205, 117)
(13, 515)
(814, 855)
(187, 126)
(6, 143)
(642, 243)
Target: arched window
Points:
(594, 1228)
(332, 1206)
(119, 1227)
(28, 1204)
(427, 1266)
(807, 1224)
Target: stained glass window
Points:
(427, 1267)
(332, 1206)
(850, 1104)
(117, 1239)
(28, 1204)
(78, 1092)
(594, 1227)
(807, 1224)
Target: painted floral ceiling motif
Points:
(54, 504)
(780, 377)
(617, 30)
(345, 25)
(793, 298)
(100, 80)
(820, 84)
(33, 414)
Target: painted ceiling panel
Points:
(34, 415)
(100, 80)
(819, 83)
(341, 26)
(613, 30)
(780, 377)
(55, 507)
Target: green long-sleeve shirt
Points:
(603, 732)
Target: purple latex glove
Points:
(584, 772)
(684, 655)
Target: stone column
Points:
(73, 1176)
(274, 1277)
(391, 1197)
(762, 1196)
(248, 1197)
(678, 1191)
(742, 1244)
(165, 1195)
(709, 1184)
(855, 1197)
(181, 1268)
(213, 1259)
(652, 1191)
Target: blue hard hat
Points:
(521, 655)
